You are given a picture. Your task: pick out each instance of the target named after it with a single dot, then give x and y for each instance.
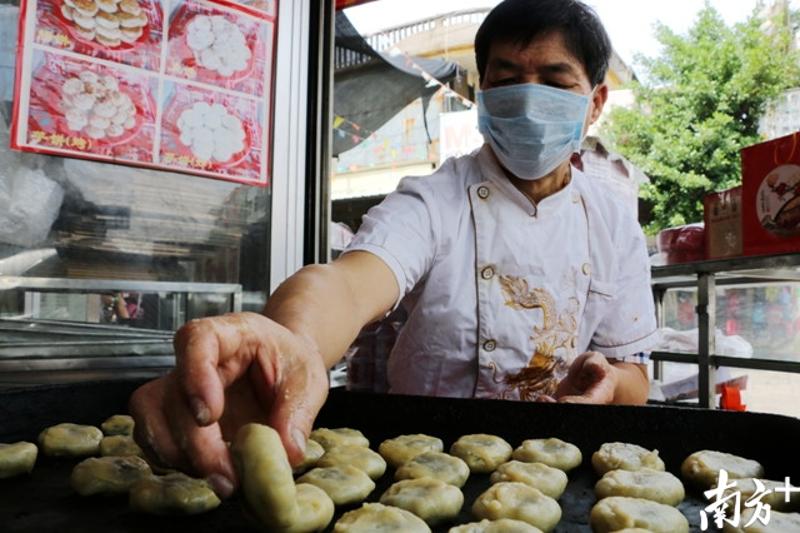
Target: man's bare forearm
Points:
(633, 384)
(329, 304)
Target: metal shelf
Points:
(705, 276)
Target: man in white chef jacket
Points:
(522, 278)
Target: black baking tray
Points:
(44, 502)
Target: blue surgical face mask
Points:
(532, 128)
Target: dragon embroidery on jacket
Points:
(558, 331)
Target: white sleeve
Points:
(402, 231)
(628, 327)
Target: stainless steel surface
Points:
(707, 325)
(736, 264)
(95, 285)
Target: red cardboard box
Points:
(771, 196)
(723, 216)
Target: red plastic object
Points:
(682, 244)
(731, 399)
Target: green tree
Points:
(699, 105)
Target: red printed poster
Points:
(180, 85)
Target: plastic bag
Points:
(29, 204)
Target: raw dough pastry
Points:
(703, 467)
(17, 458)
(619, 512)
(172, 494)
(372, 517)
(315, 510)
(520, 502)
(776, 500)
(119, 445)
(435, 465)
(329, 438)
(482, 453)
(778, 523)
(118, 425)
(504, 525)
(265, 475)
(344, 484)
(314, 451)
(108, 475)
(358, 456)
(70, 440)
(430, 499)
(653, 485)
(551, 481)
(624, 456)
(400, 449)
(552, 452)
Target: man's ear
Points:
(598, 101)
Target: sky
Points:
(629, 22)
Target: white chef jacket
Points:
(502, 294)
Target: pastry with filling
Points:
(330, 438)
(373, 517)
(430, 499)
(70, 440)
(625, 456)
(119, 445)
(551, 481)
(118, 424)
(108, 475)
(358, 456)
(17, 458)
(172, 494)
(552, 452)
(265, 475)
(314, 451)
(775, 498)
(702, 468)
(619, 512)
(344, 484)
(401, 449)
(314, 510)
(778, 523)
(518, 501)
(504, 525)
(436, 465)
(482, 453)
(653, 485)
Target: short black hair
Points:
(522, 21)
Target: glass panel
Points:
(769, 392)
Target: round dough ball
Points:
(520, 502)
(702, 468)
(400, 449)
(504, 525)
(625, 456)
(482, 453)
(619, 512)
(653, 485)
(330, 438)
(119, 445)
(108, 475)
(314, 451)
(436, 465)
(345, 484)
(265, 475)
(551, 481)
(372, 517)
(172, 494)
(70, 440)
(358, 456)
(118, 425)
(552, 452)
(776, 499)
(17, 458)
(315, 510)
(778, 523)
(430, 499)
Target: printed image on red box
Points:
(266, 7)
(219, 47)
(90, 108)
(122, 31)
(211, 132)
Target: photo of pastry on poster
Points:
(181, 85)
